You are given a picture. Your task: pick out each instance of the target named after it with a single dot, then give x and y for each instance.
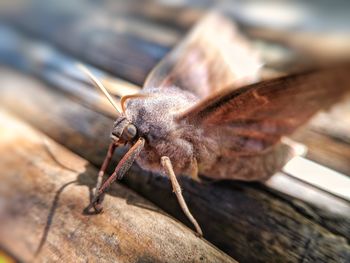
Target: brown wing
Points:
(213, 56)
(249, 120)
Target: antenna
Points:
(99, 85)
(132, 96)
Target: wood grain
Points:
(327, 148)
(42, 203)
(128, 47)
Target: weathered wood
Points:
(42, 203)
(128, 41)
(120, 37)
(127, 46)
(248, 221)
(325, 148)
(339, 118)
(328, 137)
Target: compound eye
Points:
(130, 131)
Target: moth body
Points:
(199, 112)
(155, 120)
(188, 145)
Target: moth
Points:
(202, 111)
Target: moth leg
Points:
(102, 171)
(122, 167)
(166, 163)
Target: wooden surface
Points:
(286, 220)
(42, 204)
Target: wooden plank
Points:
(128, 47)
(319, 176)
(42, 203)
(325, 149)
(120, 37)
(248, 221)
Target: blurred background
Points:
(302, 215)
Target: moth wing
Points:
(212, 56)
(251, 119)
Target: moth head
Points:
(123, 131)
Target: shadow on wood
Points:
(42, 207)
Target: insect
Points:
(200, 112)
